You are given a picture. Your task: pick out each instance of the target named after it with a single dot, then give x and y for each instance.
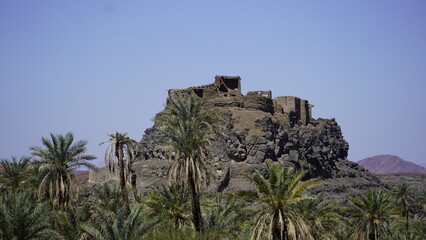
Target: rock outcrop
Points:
(258, 129)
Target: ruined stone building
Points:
(226, 92)
(223, 87)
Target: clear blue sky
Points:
(96, 67)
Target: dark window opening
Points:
(223, 88)
(231, 83)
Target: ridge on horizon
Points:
(386, 163)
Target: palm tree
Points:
(67, 222)
(278, 194)
(58, 160)
(226, 216)
(171, 203)
(403, 195)
(372, 213)
(418, 228)
(121, 150)
(108, 198)
(14, 174)
(422, 199)
(323, 217)
(22, 218)
(118, 226)
(187, 128)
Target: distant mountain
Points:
(78, 172)
(81, 174)
(383, 164)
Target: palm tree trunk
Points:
(372, 235)
(124, 194)
(285, 231)
(59, 204)
(407, 226)
(133, 183)
(195, 198)
(277, 234)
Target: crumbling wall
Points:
(205, 91)
(226, 92)
(223, 87)
(258, 102)
(293, 109)
(228, 86)
(267, 94)
(304, 112)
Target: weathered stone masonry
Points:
(226, 91)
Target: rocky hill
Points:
(257, 129)
(384, 164)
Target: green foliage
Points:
(226, 216)
(279, 194)
(185, 233)
(187, 125)
(14, 175)
(59, 157)
(187, 128)
(164, 231)
(323, 217)
(66, 222)
(22, 218)
(278, 210)
(108, 198)
(172, 203)
(121, 150)
(118, 226)
(421, 197)
(418, 229)
(372, 214)
(403, 195)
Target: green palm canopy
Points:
(58, 158)
(121, 151)
(279, 193)
(13, 173)
(187, 126)
(372, 213)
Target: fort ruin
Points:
(257, 128)
(223, 87)
(226, 92)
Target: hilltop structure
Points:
(226, 92)
(258, 129)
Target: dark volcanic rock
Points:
(258, 129)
